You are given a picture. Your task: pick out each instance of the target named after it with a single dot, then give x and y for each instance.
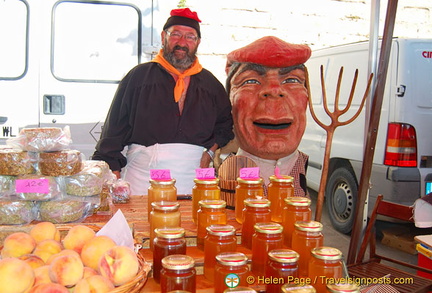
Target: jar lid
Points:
(212, 203)
(343, 287)
(239, 289)
(221, 230)
(308, 226)
(170, 233)
(257, 202)
(250, 180)
(326, 253)
(169, 206)
(232, 258)
(162, 182)
(284, 255)
(268, 228)
(178, 262)
(298, 288)
(298, 201)
(281, 178)
(207, 181)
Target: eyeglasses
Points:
(175, 35)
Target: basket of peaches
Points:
(81, 262)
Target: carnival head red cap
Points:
(184, 16)
(270, 52)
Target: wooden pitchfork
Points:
(334, 116)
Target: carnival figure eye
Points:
(292, 80)
(250, 81)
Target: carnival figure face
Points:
(269, 109)
(180, 44)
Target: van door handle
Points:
(3, 119)
(54, 104)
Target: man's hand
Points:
(117, 173)
(205, 160)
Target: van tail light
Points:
(401, 146)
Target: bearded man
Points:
(267, 85)
(171, 113)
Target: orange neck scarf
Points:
(180, 84)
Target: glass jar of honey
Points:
(231, 269)
(343, 288)
(325, 267)
(281, 264)
(211, 211)
(295, 209)
(297, 288)
(178, 273)
(246, 188)
(164, 214)
(240, 289)
(306, 236)
(204, 189)
(168, 241)
(219, 238)
(267, 236)
(255, 211)
(279, 188)
(160, 190)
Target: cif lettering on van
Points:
(427, 54)
(7, 131)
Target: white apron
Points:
(181, 159)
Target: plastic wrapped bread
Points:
(66, 210)
(42, 139)
(62, 163)
(17, 212)
(37, 187)
(15, 162)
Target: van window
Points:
(94, 41)
(14, 37)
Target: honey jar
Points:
(297, 288)
(279, 188)
(246, 188)
(255, 211)
(211, 211)
(281, 264)
(164, 214)
(306, 236)
(219, 238)
(204, 189)
(325, 266)
(231, 268)
(240, 289)
(343, 288)
(168, 241)
(267, 236)
(178, 273)
(160, 190)
(295, 209)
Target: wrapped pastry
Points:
(6, 185)
(42, 139)
(120, 191)
(37, 187)
(15, 162)
(63, 163)
(64, 211)
(17, 212)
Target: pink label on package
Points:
(249, 173)
(160, 174)
(205, 173)
(32, 186)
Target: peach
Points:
(46, 248)
(18, 244)
(88, 272)
(96, 283)
(66, 270)
(16, 276)
(77, 236)
(42, 275)
(44, 231)
(49, 288)
(119, 265)
(33, 260)
(93, 250)
(63, 252)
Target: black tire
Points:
(341, 199)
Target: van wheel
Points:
(341, 199)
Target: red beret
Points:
(185, 12)
(270, 52)
(184, 16)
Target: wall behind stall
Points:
(230, 24)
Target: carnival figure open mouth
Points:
(272, 125)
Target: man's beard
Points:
(180, 64)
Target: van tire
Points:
(341, 199)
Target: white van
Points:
(61, 61)
(402, 165)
